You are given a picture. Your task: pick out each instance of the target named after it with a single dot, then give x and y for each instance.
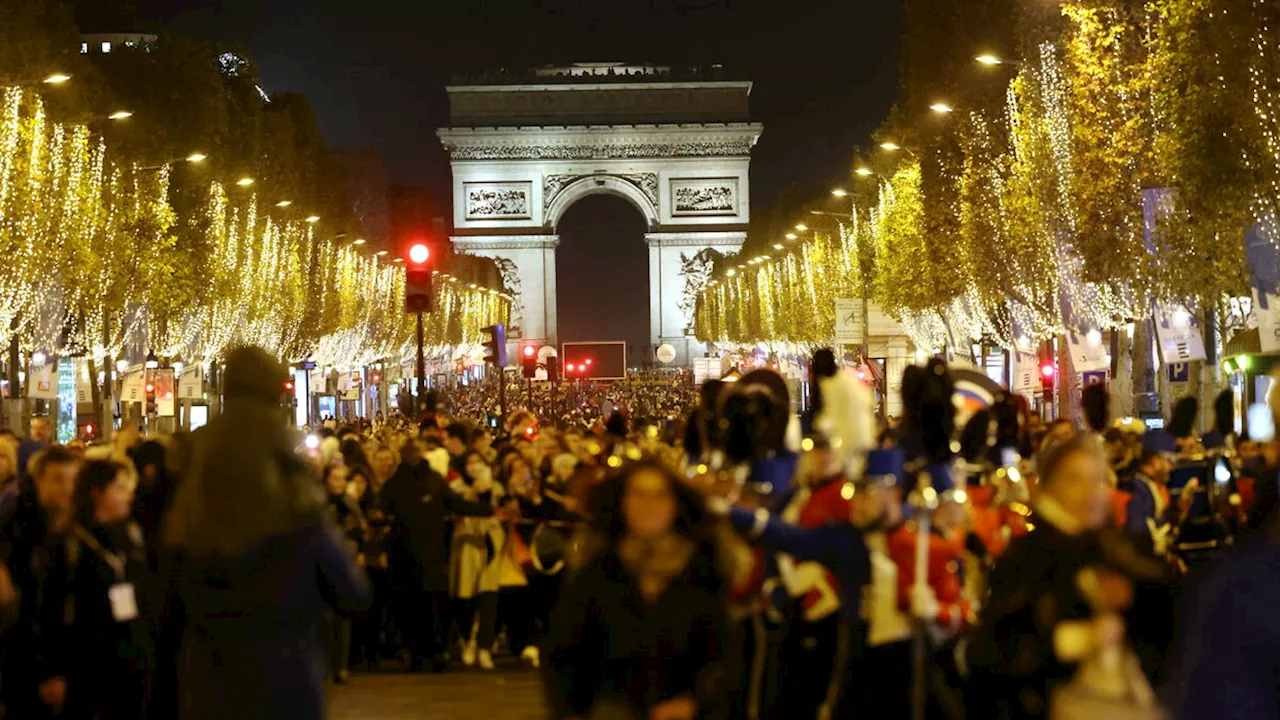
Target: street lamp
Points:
(56, 79)
(284, 203)
(801, 227)
(380, 253)
(358, 241)
(991, 60)
(779, 246)
(890, 146)
(941, 108)
(120, 115)
(152, 361)
(192, 158)
(313, 218)
(840, 192)
(791, 236)
(864, 172)
(245, 181)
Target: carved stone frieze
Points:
(735, 147)
(552, 185)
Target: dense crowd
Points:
(702, 565)
(660, 397)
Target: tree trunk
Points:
(95, 393)
(1144, 367)
(1068, 384)
(1122, 386)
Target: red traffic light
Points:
(588, 361)
(288, 386)
(568, 368)
(529, 351)
(1048, 371)
(419, 253)
(151, 388)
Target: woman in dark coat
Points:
(1039, 623)
(419, 503)
(96, 638)
(254, 561)
(640, 630)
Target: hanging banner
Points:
(43, 383)
(191, 384)
(848, 321)
(1264, 277)
(1087, 354)
(166, 401)
(132, 387)
(66, 430)
(1266, 310)
(354, 383)
(1026, 373)
(1181, 339)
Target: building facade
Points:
(674, 144)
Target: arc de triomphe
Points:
(676, 145)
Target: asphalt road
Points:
(505, 694)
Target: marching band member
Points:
(1151, 517)
(815, 561)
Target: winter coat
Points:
(107, 663)
(1033, 589)
(27, 547)
(478, 547)
(419, 503)
(253, 566)
(253, 647)
(608, 645)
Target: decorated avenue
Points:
(641, 360)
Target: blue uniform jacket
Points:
(1142, 505)
(839, 547)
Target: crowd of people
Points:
(692, 554)
(660, 396)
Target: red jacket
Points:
(946, 559)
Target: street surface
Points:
(508, 694)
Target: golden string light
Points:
(92, 260)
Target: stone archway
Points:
(562, 191)
(523, 153)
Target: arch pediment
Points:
(561, 191)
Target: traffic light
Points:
(151, 397)
(553, 368)
(529, 362)
(495, 345)
(1048, 371)
(417, 279)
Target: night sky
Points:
(825, 75)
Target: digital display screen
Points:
(594, 361)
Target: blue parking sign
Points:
(1179, 372)
(1093, 378)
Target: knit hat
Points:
(253, 373)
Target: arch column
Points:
(534, 261)
(668, 323)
